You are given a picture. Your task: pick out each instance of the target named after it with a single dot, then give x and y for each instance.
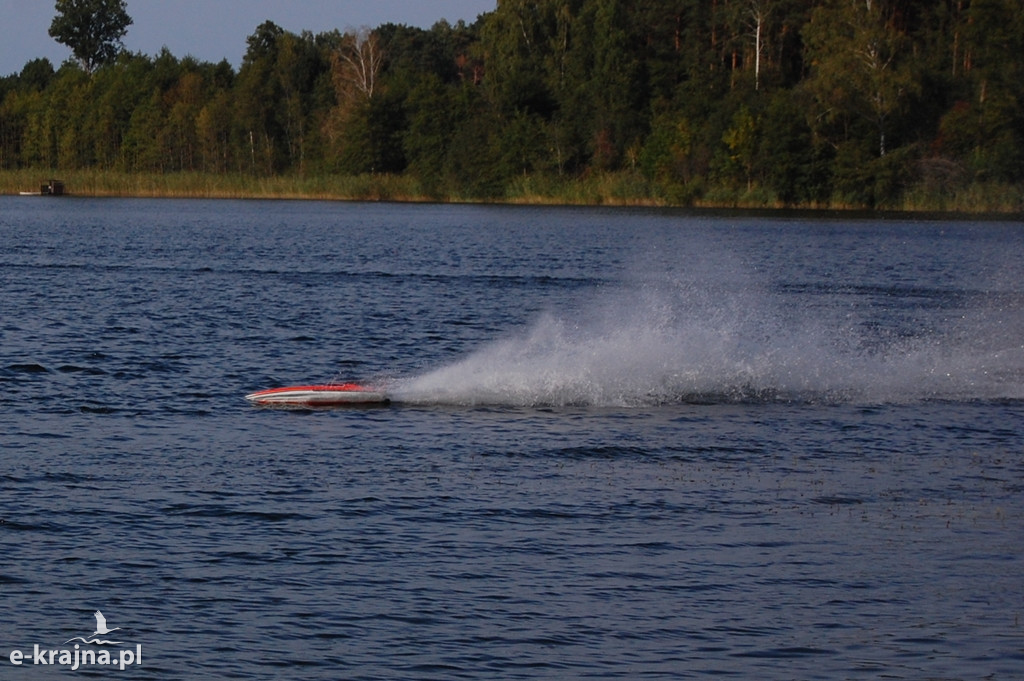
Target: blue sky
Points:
(211, 30)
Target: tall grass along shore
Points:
(622, 188)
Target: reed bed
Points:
(625, 188)
(105, 183)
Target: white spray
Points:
(725, 339)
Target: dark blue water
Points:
(624, 444)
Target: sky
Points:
(212, 30)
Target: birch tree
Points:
(357, 64)
(859, 66)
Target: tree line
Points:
(782, 102)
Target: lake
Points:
(623, 444)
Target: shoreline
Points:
(976, 201)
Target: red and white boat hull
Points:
(345, 394)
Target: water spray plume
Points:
(730, 340)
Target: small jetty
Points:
(51, 188)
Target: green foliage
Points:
(740, 102)
(429, 135)
(789, 160)
(91, 28)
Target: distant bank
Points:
(621, 188)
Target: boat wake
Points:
(667, 343)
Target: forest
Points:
(878, 104)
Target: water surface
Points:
(624, 444)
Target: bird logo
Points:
(101, 630)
